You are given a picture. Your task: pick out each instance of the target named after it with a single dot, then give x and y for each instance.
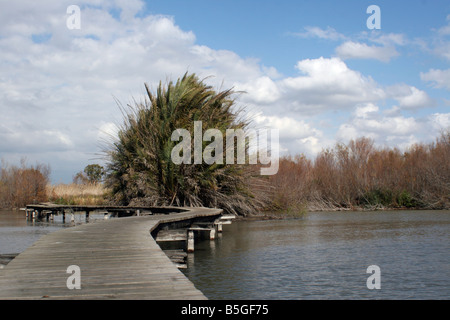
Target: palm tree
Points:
(140, 170)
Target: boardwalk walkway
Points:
(118, 259)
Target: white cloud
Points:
(439, 78)
(440, 121)
(410, 97)
(327, 84)
(317, 32)
(391, 129)
(357, 50)
(445, 30)
(364, 111)
(438, 43)
(295, 135)
(262, 90)
(388, 39)
(367, 121)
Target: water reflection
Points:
(325, 256)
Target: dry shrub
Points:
(23, 185)
(359, 175)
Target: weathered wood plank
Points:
(171, 235)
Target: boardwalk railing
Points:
(111, 259)
(49, 210)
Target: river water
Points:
(326, 256)
(17, 234)
(320, 256)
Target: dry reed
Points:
(77, 194)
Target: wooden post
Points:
(87, 215)
(63, 216)
(190, 241)
(212, 233)
(219, 227)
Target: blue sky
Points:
(266, 29)
(311, 69)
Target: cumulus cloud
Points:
(410, 97)
(369, 122)
(392, 130)
(324, 84)
(294, 134)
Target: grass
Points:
(77, 194)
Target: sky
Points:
(316, 70)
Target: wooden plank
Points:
(171, 235)
(227, 217)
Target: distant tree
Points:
(92, 173)
(23, 185)
(80, 178)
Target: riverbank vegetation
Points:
(28, 184)
(353, 176)
(77, 194)
(359, 175)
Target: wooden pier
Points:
(117, 258)
(49, 210)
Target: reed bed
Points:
(77, 194)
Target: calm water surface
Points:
(17, 234)
(321, 256)
(326, 256)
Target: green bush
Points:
(377, 197)
(140, 169)
(405, 199)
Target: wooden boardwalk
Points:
(118, 259)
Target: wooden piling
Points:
(212, 234)
(190, 241)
